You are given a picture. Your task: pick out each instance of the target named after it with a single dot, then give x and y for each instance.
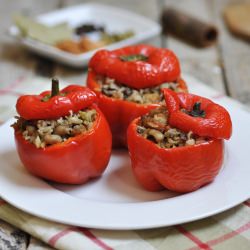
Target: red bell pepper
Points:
(137, 74)
(75, 160)
(203, 117)
(51, 106)
(119, 113)
(180, 169)
(138, 66)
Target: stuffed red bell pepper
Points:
(179, 146)
(61, 135)
(128, 81)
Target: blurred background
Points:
(224, 66)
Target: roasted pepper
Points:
(49, 105)
(202, 116)
(185, 168)
(76, 159)
(137, 67)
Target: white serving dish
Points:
(114, 19)
(116, 200)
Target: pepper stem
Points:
(134, 57)
(197, 111)
(54, 87)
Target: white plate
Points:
(116, 201)
(114, 20)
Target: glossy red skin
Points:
(162, 66)
(216, 123)
(182, 169)
(119, 113)
(74, 161)
(31, 107)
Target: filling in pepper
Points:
(111, 88)
(43, 133)
(154, 126)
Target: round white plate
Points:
(116, 201)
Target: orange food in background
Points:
(81, 46)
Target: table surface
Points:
(224, 66)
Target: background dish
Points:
(114, 19)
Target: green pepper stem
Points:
(197, 111)
(54, 87)
(134, 57)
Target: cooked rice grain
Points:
(111, 88)
(154, 127)
(43, 133)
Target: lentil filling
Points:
(154, 127)
(111, 88)
(43, 133)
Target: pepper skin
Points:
(74, 161)
(73, 98)
(186, 168)
(160, 65)
(182, 169)
(119, 113)
(216, 123)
